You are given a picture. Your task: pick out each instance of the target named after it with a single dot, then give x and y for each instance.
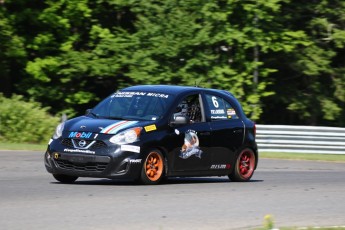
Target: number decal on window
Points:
(215, 102)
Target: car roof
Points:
(172, 89)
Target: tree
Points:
(176, 42)
(13, 54)
(277, 56)
(310, 80)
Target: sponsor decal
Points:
(79, 151)
(231, 112)
(221, 166)
(191, 145)
(131, 94)
(161, 95)
(135, 161)
(150, 128)
(218, 117)
(80, 135)
(128, 94)
(114, 128)
(217, 111)
(130, 148)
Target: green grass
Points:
(304, 156)
(22, 146)
(268, 224)
(304, 228)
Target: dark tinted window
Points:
(134, 105)
(220, 109)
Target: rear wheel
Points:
(153, 168)
(244, 167)
(65, 178)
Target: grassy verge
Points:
(22, 146)
(314, 228)
(270, 225)
(305, 228)
(304, 156)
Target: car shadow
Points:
(206, 180)
(168, 181)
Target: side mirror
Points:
(88, 111)
(179, 120)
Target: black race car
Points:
(149, 132)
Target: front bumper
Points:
(109, 163)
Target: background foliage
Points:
(25, 121)
(283, 59)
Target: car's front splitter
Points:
(122, 165)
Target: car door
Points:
(227, 131)
(191, 152)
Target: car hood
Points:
(106, 126)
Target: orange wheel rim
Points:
(154, 166)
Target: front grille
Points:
(67, 142)
(96, 145)
(88, 167)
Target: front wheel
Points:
(245, 165)
(153, 168)
(65, 178)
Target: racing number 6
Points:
(215, 102)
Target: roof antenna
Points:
(198, 85)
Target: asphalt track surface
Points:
(296, 193)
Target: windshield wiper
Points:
(93, 114)
(127, 118)
(114, 118)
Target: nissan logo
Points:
(82, 143)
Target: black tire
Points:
(152, 171)
(244, 167)
(65, 178)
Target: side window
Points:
(220, 109)
(190, 106)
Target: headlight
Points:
(127, 136)
(58, 130)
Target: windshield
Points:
(133, 106)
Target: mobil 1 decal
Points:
(191, 145)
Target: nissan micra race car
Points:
(149, 132)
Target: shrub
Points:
(22, 121)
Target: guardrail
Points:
(300, 139)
